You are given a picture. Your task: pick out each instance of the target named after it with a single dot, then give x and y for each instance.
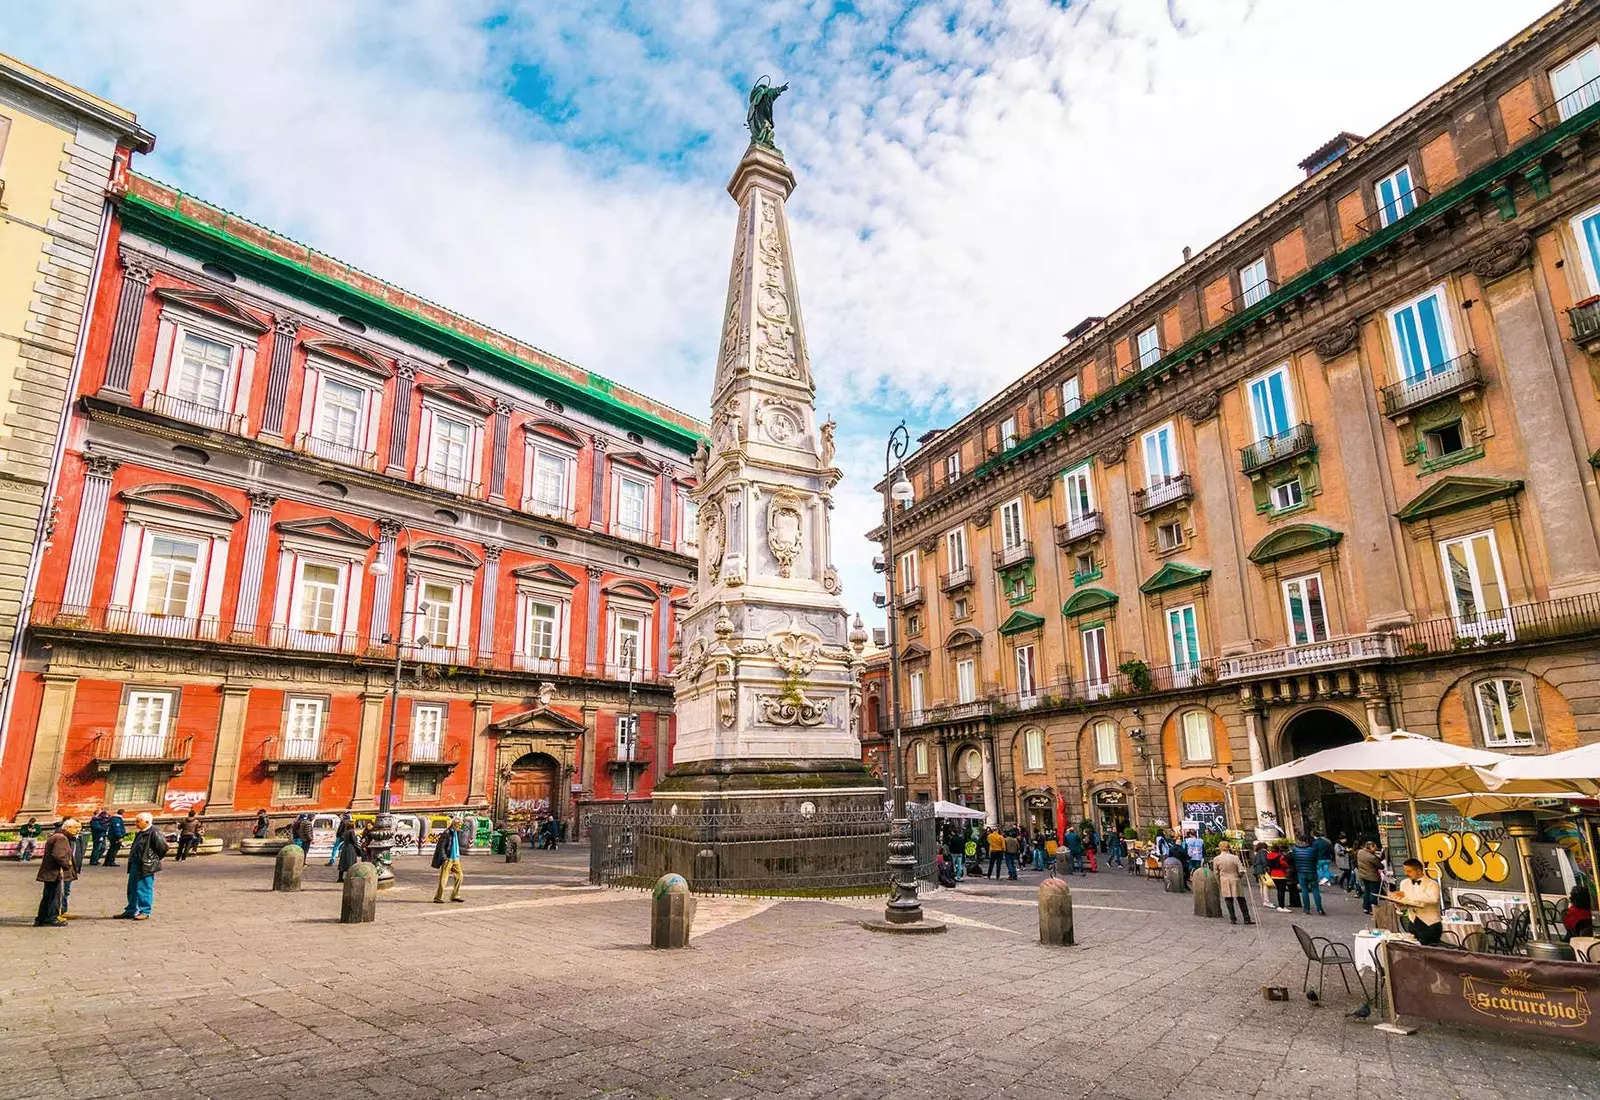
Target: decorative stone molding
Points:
(388, 528)
(830, 581)
(981, 518)
(1337, 340)
(1202, 408)
(1114, 452)
(137, 271)
(785, 523)
(595, 572)
(1041, 488)
(98, 465)
(599, 443)
(929, 544)
(261, 498)
(285, 326)
(492, 552)
(1503, 257)
(781, 710)
(406, 370)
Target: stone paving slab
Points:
(540, 986)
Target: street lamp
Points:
(380, 841)
(903, 908)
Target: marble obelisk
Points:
(768, 675)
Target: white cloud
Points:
(975, 177)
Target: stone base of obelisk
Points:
(768, 827)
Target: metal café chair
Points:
(1474, 901)
(1448, 938)
(1476, 940)
(1325, 953)
(1501, 935)
(1455, 912)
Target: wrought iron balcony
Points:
(1545, 620)
(430, 756)
(193, 412)
(956, 578)
(1277, 448)
(321, 751)
(1585, 320)
(1248, 298)
(1171, 491)
(1084, 527)
(1356, 649)
(908, 597)
(1019, 554)
(550, 509)
(1391, 212)
(307, 443)
(460, 484)
(1456, 376)
(165, 750)
(1574, 102)
(946, 712)
(281, 636)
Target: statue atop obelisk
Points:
(768, 675)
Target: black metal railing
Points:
(955, 578)
(321, 749)
(135, 748)
(1276, 448)
(307, 443)
(432, 754)
(193, 412)
(1014, 555)
(908, 597)
(550, 509)
(1544, 620)
(1451, 377)
(1167, 491)
(1076, 530)
(1585, 320)
(1249, 297)
(460, 484)
(1579, 99)
(1117, 684)
(745, 852)
(1390, 212)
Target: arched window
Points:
(1105, 743)
(920, 757)
(1198, 744)
(1033, 750)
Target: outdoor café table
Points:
(1463, 926)
(1585, 947)
(1368, 953)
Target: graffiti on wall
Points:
(1467, 856)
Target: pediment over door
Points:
(538, 722)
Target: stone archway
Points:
(1318, 805)
(535, 759)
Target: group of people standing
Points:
(966, 848)
(63, 861)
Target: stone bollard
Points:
(1055, 913)
(1207, 893)
(671, 912)
(1172, 875)
(290, 865)
(513, 848)
(360, 902)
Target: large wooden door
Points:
(531, 789)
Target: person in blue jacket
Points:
(1304, 858)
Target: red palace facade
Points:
(280, 475)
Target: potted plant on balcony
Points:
(1138, 673)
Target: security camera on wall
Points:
(1137, 733)
(879, 600)
(878, 565)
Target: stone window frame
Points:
(181, 316)
(175, 693)
(419, 704)
(544, 584)
(1093, 729)
(1323, 560)
(1181, 734)
(1028, 766)
(372, 381)
(1450, 314)
(1530, 695)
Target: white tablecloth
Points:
(1367, 944)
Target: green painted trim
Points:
(1459, 458)
(1481, 180)
(1088, 601)
(1019, 622)
(209, 243)
(1080, 579)
(1455, 494)
(1173, 575)
(1294, 539)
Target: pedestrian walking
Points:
(28, 839)
(1325, 853)
(1195, 849)
(997, 852)
(58, 865)
(1074, 852)
(1304, 855)
(447, 859)
(347, 845)
(1341, 863)
(188, 836)
(80, 846)
(302, 832)
(338, 841)
(116, 829)
(262, 825)
(1230, 879)
(1259, 867)
(99, 827)
(1369, 873)
(145, 854)
(958, 853)
(1279, 868)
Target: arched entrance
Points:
(1039, 808)
(1322, 806)
(531, 787)
(1112, 811)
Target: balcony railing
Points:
(1276, 448)
(321, 751)
(633, 534)
(956, 578)
(460, 484)
(908, 597)
(424, 755)
(167, 750)
(307, 443)
(1391, 212)
(1460, 373)
(1528, 622)
(945, 712)
(1248, 298)
(1356, 649)
(1117, 684)
(550, 509)
(1579, 99)
(1014, 555)
(279, 636)
(620, 673)
(192, 412)
(1170, 491)
(1076, 530)
(1585, 320)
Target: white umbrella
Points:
(950, 809)
(1391, 767)
(1576, 770)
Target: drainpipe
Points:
(31, 579)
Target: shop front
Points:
(1204, 805)
(1112, 810)
(1039, 811)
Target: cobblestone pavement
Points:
(541, 986)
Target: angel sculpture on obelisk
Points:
(759, 117)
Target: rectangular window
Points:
(173, 578)
(1105, 744)
(1033, 748)
(1253, 285)
(1476, 586)
(1080, 493)
(629, 642)
(451, 448)
(920, 756)
(952, 466)
(1008, 433)
(1160, 456)
(691, 522)
(550, 480)
(958, 608)
(627, 737)
(1083, 565)
(910, 574)
(1503, 710)
(427, 732)
(1027, 675)
(966, 680)
(1197, 736)
(302, 729)
(913, 625)
(1574, 83)
(1422, 338)
(1012, 534)
(1304, 611)
(541, 629)
(955, 544)
(1396, 196)
(437, 610)
(1071, 398)
(339, 419)
(632, 507)
(1288, 495)
(1271, 408)
(1149, 346)
(423, 784)
(144, 726)
(1445, 440)
(916, 696)
(1096, 663)
(1183, 638)
(201, 377)
(319, 597)
(135, 786)
(1169, 537)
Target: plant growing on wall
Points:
(1138, 674)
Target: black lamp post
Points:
(380, 840)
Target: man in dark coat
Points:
(262, 825)
(99, 827)
(116, 829)
(188, 835)
(57, 866)
(347, 845)
(149, 848)
(1304, 857)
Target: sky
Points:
(974, 177)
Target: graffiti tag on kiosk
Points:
(1469, 856)
(181, 802)
(528, 805)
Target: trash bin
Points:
(497, 842)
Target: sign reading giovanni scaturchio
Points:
(1497, 992)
